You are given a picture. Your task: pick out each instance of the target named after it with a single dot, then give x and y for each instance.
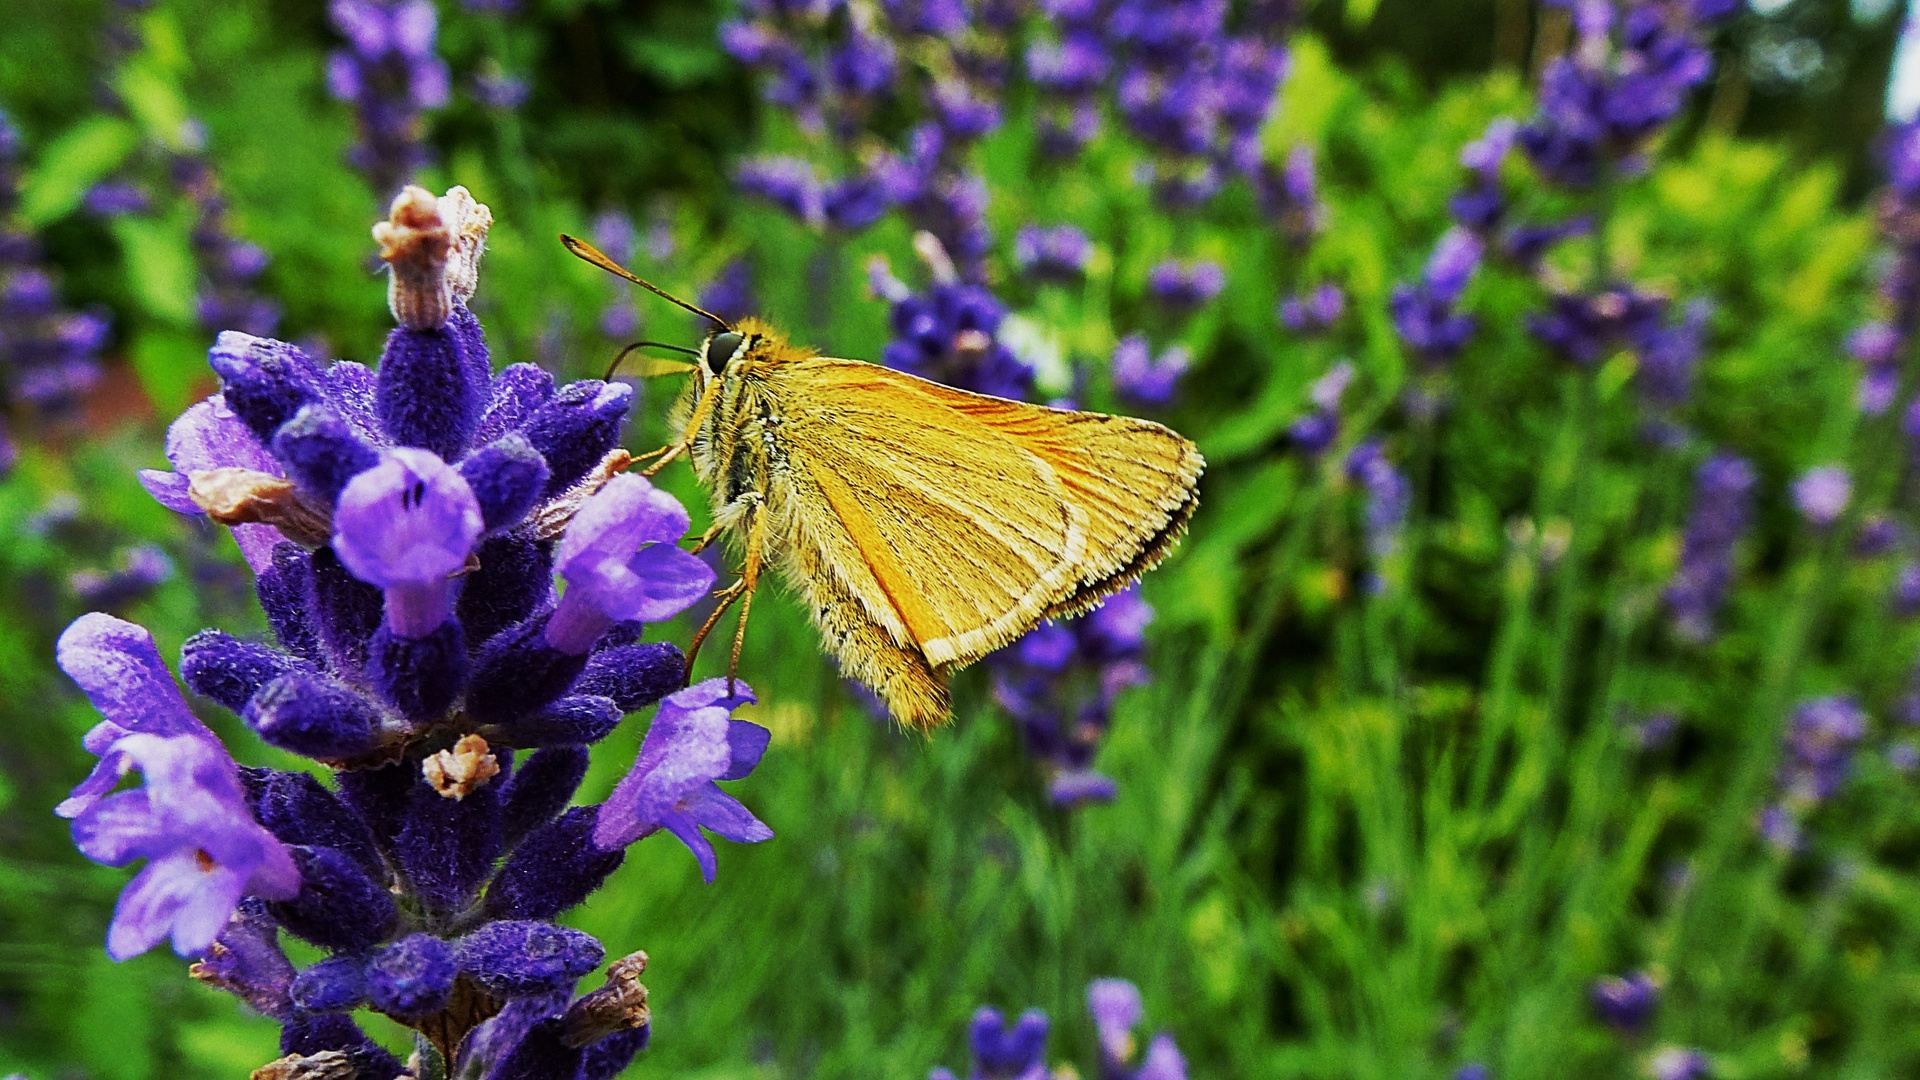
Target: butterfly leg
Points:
(701, 411)
(749, 577)
(726, 597)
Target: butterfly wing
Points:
(953, 537)
(957, 521)
(1136, 481)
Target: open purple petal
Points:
(609, 527)
(178, 895)
(211, 436)
(119, 668)
(169, 489)
(121, 828)
(747, 741)
(684, 749)
(661, 581)
(411, 520)
(688, 833)
(723, 815)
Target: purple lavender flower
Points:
(1821, 494)
(230, 268)
(1820, 743)
(1314, 313)
(406, 526)
(692, 742)
(1317, 431)
(1059, 683)
(619, 562)
(1906, 590)
(405, 564)
(730, 295)
(1388, 495)
(1585, 328)
(190, 822)
(1143, 380)
(1115, 1005)
(113, 198)
(949, 334)
(1722, 510)
(1678, 1063)
(389, 74)
(1426, 314)
(1626, 75)
(1183, 287)
(788, 183)
(1625, 1003)
(1001, 1052)
(1058, 253)
(48, 357)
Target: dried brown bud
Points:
(459, 772)
(620, 1005)
(467, 224)
(415, 241)
(235, 496)
(325, 1065)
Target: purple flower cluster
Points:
(1059, 253)
(1820, 743)
(1678, 1063)
(48, 355)
(1722, 512)
(1317, 431)
(1019, 1052)
(1625, 1003)
(1059, 684)
(1879, 344)
(1426, 314)
(830, 82)
(1141, 379)
(1388, 496)
(405, 525)
(230, 268)
(1290, 195)
(1191, 88)
(1185, 287)
(948, 333)
(389, 73)
(1314, 313)
(1483, 207)
(1627, 74)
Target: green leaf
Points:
(155, 101)
(81, 157)
(159, 266)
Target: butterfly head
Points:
(748, 341)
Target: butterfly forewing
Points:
(962, 537)
(1133, 479)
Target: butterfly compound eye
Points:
(720, 349)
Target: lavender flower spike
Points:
(619, 561)
(693, 742)
(190, 820)
(406, 526)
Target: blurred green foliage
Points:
(1362, 832)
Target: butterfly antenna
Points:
(593, 255)
(624, 353)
